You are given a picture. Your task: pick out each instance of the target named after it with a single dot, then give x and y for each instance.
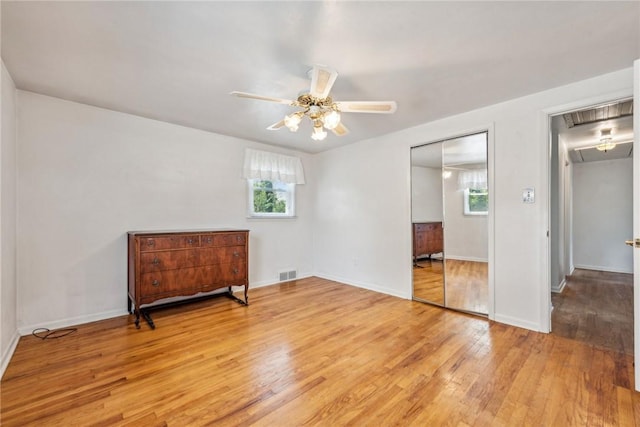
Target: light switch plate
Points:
(528, 195)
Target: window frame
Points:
(469, 212)
(289, 190)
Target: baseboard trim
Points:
(8, 353)
(364, 285)
(72, 321)
(466, 258)
(264, 283)
(603, 268)
(513, 321)
(558, 289)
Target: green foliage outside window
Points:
(478, 200)
(266, 200)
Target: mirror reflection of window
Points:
(476, 202)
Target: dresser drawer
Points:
(226, 239)
(174, 259)
(168, 260)
(427, 227)
(223, 255)
(153, 243)
(190, 280)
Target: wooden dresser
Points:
(166, 264)
(427, 239)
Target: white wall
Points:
(426, 194)
(8, 314)
(603, 215)
(466, 237)
(87, 175)
(366, 239)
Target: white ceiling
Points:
(457, 152)
(178, 61)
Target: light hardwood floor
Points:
(466, 284)
(315, 352)
(428, 281)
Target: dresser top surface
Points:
(194, 231)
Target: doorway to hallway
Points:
(591, 216)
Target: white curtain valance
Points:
(475, 179)
(273, 167)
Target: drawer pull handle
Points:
(190, 241)
(151, 242)
(235, 271)
(236, 254)
(239, 238)
(155, 283)
(155, 261)
(209, 240)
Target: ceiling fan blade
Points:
(380, 107)
(322, 80)
(262, 98)
(276, 126)
(340, 130)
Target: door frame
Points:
(545, 126)
(636, 223)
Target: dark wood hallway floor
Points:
(596, 308)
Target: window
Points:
(271, 198)
(272, 180)
(476, 202)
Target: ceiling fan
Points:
(320, 108)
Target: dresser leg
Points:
(137, 312)
(149, 320)
(235, 298)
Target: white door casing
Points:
(636, 221)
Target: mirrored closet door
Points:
(449, 223)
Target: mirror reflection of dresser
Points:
(427, 240)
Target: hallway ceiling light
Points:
(605, 141)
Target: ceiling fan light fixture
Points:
(319, 107)
(331, 119)
(318, 133)
(292, 121)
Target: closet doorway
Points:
(449, 212)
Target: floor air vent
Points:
(288, 275)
